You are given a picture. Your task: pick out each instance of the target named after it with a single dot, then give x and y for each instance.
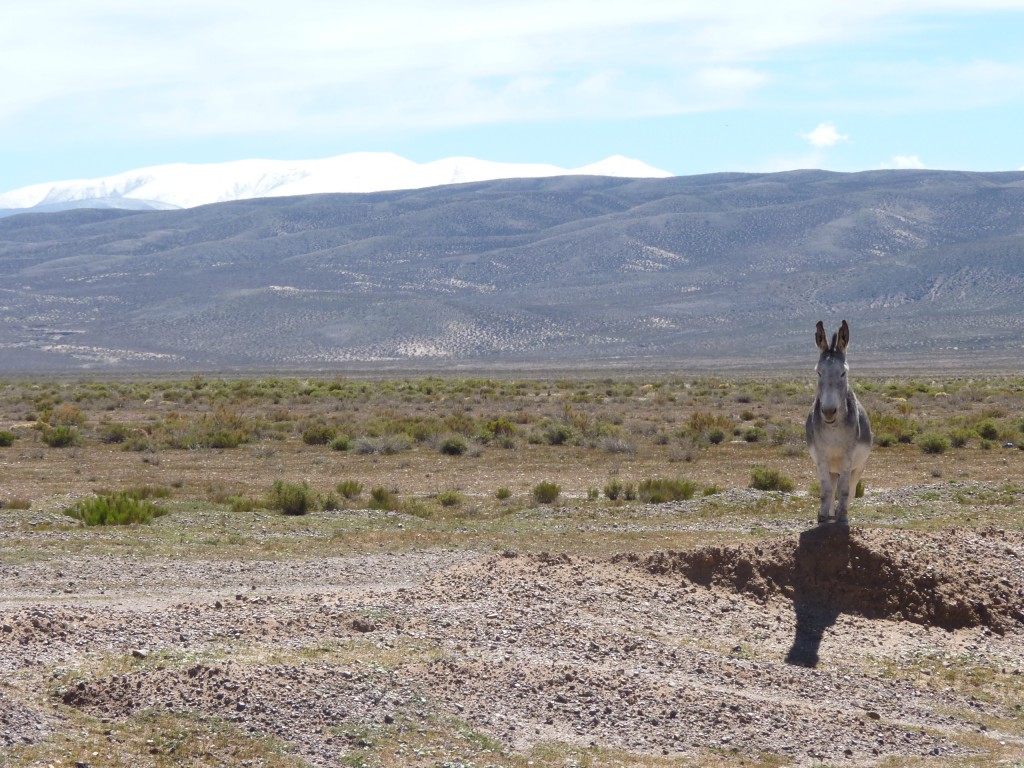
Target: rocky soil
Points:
(843, 646)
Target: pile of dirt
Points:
(299, 703)
(597, 651)
(954, 579)
(686, 655)
(20, 723)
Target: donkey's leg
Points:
(857, 462)
(843, 493)
(855, 478)
(837, 480)
(827, 492)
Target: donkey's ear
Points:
(820, 338)
(844, 337)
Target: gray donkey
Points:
(838, 429)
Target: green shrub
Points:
(350, 489)
(63, 415)
(453, 446)
(222, 429)
(546, 492)
(415, 508)
(114, 509)
(660, 490)
(498, 428)
(114, 433)
(382, 498)
(987, 430)
(613, 489)
(7, 439)
(765, 479)
(753, 434)
(552, 433)
(224, 438)
(958, 438)
(502, 494)
(242, 504)
(449, 498)
(62, 436)
(341, 443)
(318, 434)
(885, 440)
(291, 498)
(715, 435)
(933, 442)
(901, 428)
(709, 425)
(138, 443)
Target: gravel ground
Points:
(827, 645)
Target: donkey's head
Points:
(832, 369)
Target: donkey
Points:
(838, 429)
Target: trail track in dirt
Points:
(832, 645)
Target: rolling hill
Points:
(720, 270)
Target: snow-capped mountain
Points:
(182, 185)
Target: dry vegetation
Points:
(448, 447)
(287, 488)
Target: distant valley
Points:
(717, 271)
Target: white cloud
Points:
(825, 135)
(903, 162)
(216, 67)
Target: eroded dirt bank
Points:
(830, 645)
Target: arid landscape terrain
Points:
(586, 571)
(573, 271)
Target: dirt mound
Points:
(954, 579)
(552, 647)
(298, 703)
(590, 652)
(20, 723)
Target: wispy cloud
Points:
(223, 66)
(825, 135)
(205, 74)
(904, 162)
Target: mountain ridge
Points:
(723, 270)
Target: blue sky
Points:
(95, 88)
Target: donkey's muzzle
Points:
(829, 414)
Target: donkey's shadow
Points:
(821, 558)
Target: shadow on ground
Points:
(822, 555)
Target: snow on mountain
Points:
(183, 185)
